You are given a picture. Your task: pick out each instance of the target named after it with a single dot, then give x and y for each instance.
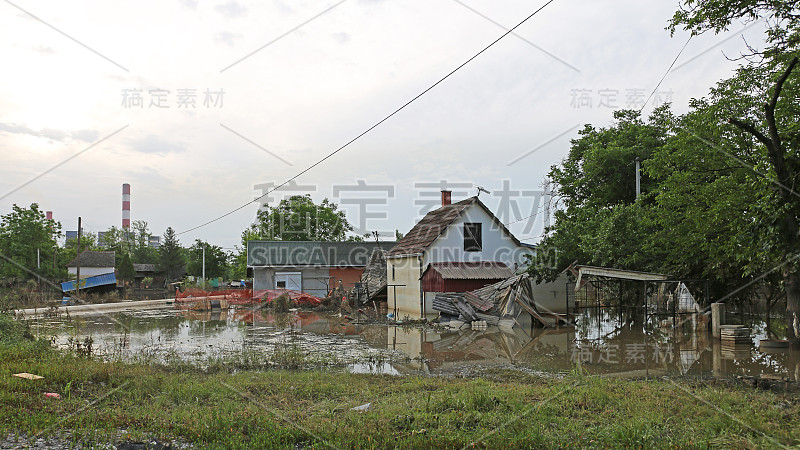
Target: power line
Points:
(666, 73)
(373, 126)
(538, 210)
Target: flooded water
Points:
(600, 343)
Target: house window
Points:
(292, 281)
(472, 237)
(392, 272)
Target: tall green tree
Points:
(773, 126)
(216, 260)
(599, 220)
(135, 241)
(296, 218)
(172, 260)
(126, 271)
(141, 252)
(23, 231)
(114, 239)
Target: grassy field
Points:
(112, 402)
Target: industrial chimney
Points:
(446, 198)
(49, 215)
(126, 206)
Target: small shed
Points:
(463, 276)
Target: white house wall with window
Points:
(463, 232)
(495, 244)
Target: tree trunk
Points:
(792, 279)
(787, 177)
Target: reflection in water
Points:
(601, 344)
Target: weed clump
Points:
(282, 303)
(13, 331)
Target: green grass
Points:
(284, 408)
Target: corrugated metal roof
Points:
(94, 259)
(483, 270)
(89, 282)
(311, 253)
(144, 267)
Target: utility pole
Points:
(204, 265)
(638, 178)
(78, 259)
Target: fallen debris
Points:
(363, 408)
(28, 376)
(499, 304)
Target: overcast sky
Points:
(252, 93)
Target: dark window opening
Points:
(392, 272)
(281, 285)
(472, 237)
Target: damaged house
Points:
(458, 247)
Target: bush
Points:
(13, 331)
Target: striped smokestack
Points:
(126, 206)
(49, 215)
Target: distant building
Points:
(92, 263)
(101, 238)
(313, 267)
(155, 241)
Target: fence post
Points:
(717, 318)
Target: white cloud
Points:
(51, 133)
(341, 37)
(227, 38)
(231, 9)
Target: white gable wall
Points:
(497, 245)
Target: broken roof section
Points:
(93, 259)
(609, 272)
(374, 276)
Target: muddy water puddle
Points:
(601, 344)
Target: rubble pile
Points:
(504, 304)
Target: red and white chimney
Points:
(446, 198)
(126, 206)
(49, 215)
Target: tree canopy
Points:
(172, 260)
(298, 218)
(23, 231)
(216, 260)
(719, 183)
